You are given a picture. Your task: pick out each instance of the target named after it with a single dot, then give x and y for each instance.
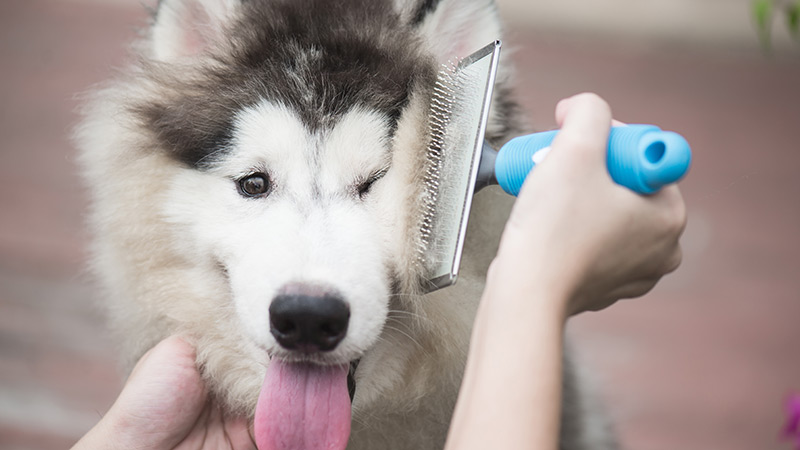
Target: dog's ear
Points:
(185, 28)
(453, 28)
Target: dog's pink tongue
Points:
(303, 407)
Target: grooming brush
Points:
(459, 162)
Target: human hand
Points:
(576, 235)
(166, 405)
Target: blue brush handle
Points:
(642, 158)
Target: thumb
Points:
(163, 396)
(585, 122)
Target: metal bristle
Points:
(457, 119)
(443, 100)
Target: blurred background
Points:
(706, 361)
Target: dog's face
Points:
(298, 221)
(292, 183)
(290, 139)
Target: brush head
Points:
(458, 115)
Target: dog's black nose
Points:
(308, 323)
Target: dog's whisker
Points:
(402, 294)
(408, 336)
(407, 313)
(403, 321)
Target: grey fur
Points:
(287, 52)
(320, 58)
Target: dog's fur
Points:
(324, 97)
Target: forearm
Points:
(513, 370)
(99, 437)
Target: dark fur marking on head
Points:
(322, 64)
(190, 128)
(317, 57)
(425, 7)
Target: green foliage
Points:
(793, 19)
(764, 12)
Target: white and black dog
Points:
(256, 185)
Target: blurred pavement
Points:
(717, 23)
(703, 363)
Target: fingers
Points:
(171, 348)
(629, 242)
(153, 381)
(674, 261)
(251, 433)
(585, 121)
(633, 289)
(165, 383)
(675, 208)
(673, 216)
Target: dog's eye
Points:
(254, 185)
(363, 188)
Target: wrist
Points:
(529, 289)
(99, 437)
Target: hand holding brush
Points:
(575, 241)
(642, 158)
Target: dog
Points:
(256, 177)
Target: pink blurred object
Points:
(791, 431)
